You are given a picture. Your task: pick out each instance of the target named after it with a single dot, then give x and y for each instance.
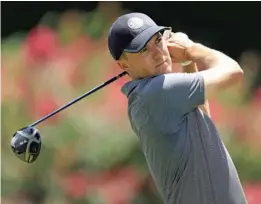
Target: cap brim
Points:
(139, 42)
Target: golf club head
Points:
(26, 144)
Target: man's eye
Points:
(158, 40)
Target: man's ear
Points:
(123, 65)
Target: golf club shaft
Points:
(79, 98)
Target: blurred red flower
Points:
(253, 193)
(42, 105)
(76, 185)
(217, 110)
(121, 187)
(115, 186)
(256, 99)
(40, 44)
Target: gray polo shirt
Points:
(184, 152)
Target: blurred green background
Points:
(54, 52)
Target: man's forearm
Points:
(211, 58)
(191, 68)
(201, 53)
(221, 70)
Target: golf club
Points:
(26, 142)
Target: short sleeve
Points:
(183, 91)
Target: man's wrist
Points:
(199, 52)
(191, 68)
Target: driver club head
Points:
(26, 144)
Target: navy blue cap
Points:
(130, 33)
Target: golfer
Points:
(168, 110)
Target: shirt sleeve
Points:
(183, 91)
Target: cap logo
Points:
(135, 23)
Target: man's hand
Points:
(178, 44)
(221, 70)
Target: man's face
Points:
(152, 60)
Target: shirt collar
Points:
(128, 87)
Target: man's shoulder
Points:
(152, 86)
(144, 87)
(135, 86)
